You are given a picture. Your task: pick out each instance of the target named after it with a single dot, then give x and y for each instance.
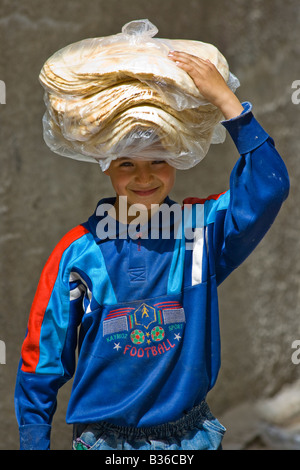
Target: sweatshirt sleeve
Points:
(259, 184)
(48, 351)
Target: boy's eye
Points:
(126, 163)
(156, 162)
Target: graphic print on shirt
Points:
(145, 331)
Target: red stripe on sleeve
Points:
(196, 200)
(30, 348)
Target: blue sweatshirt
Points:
(147, 308)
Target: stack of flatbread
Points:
(121, 95)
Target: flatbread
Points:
(94, 64)
(83, 118)
(141, 127)
(112, 95)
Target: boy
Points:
(147, 307)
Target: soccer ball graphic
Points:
(157, 333)
(137, 337)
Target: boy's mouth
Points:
(145, 192)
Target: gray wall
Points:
(44, 195)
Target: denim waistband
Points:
(178, 428)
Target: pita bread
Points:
(111, 95)
(81, 119)
(140, 127)
(95, 64)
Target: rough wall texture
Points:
(42, 195)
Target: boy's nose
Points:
(143, 175)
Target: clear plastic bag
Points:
(121, 95)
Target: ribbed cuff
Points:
(245, 131)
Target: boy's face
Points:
(141, 181)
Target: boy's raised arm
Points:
(259, 181)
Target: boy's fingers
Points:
(188, 59)
(190, 66)
(182, 53)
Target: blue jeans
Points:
(206, 434)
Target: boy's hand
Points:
(209, 82)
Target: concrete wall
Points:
(43, 195)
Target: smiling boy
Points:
(149, 343)
(142, 183)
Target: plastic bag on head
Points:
(121, 95)
(139, 30)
